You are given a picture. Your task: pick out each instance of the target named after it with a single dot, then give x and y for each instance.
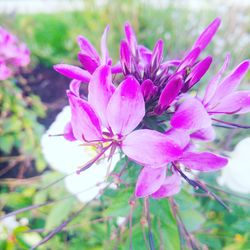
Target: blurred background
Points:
(32, 106)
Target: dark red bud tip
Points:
(132, 203)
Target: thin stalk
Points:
(198, 185)
(62, 225)
(59, 228)
(147, 214)
(181, 226)
(130, 227)
(232, 124)
(21, 210)
(55, 182)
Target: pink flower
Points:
(196, 115)
(223, 97)
(90, 60)
(111, 114)
(152, 94)
(13, 54)
(5, 72)
(157, 182)
(162, 81)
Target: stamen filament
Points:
(91, 162)
(232, 124)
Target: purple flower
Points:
(156, 181)
(5, 72)
(111, 114)
(13, 54)
(223, 97)
(163, 81)
(220, 98)
(151, 97)
(89, 59)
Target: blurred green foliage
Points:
(19, 128)
(105, 222)
(52, 38)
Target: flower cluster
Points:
(142, 106)
(13, 54)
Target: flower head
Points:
(148, 112)
(163, 181)
(13, 54)
(111, 114)
(89, 59)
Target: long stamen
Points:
(232, 124)
(223, 113)
(198, 185)
(50, 135)
(95, 141)
(223, 126)
(91, 162)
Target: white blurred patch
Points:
(7, 226)
(66, 157)
(10, 223)
(236, 175)
(120, 220)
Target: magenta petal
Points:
(190, 59)
(126, 107)
(125, 57)
(157, 54)
(73, 72)
(88, 49)
(104, 49)
(100, 91)
(231, 82)
(191, 115)
(68, 132)
(84, 121)
(145, 55)
(148, 89)
(179, 136)
(74, 86)
(204, 161)
(212, 86)
(149, 181)
(130, 37)
(204, 134)
(170, 63)
(5, 72)
(170, 187)
(198, 71)
(149, 147)
(238, 102)
(88, 63)
(117, 68)
(170, 92)
(207, 35)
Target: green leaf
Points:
(137, 239)
(192, 219)
(59, 213)
(6, 143)
(119, 203)
(164, 224)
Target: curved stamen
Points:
(198, 185)
(232, 124)
(96, 158)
